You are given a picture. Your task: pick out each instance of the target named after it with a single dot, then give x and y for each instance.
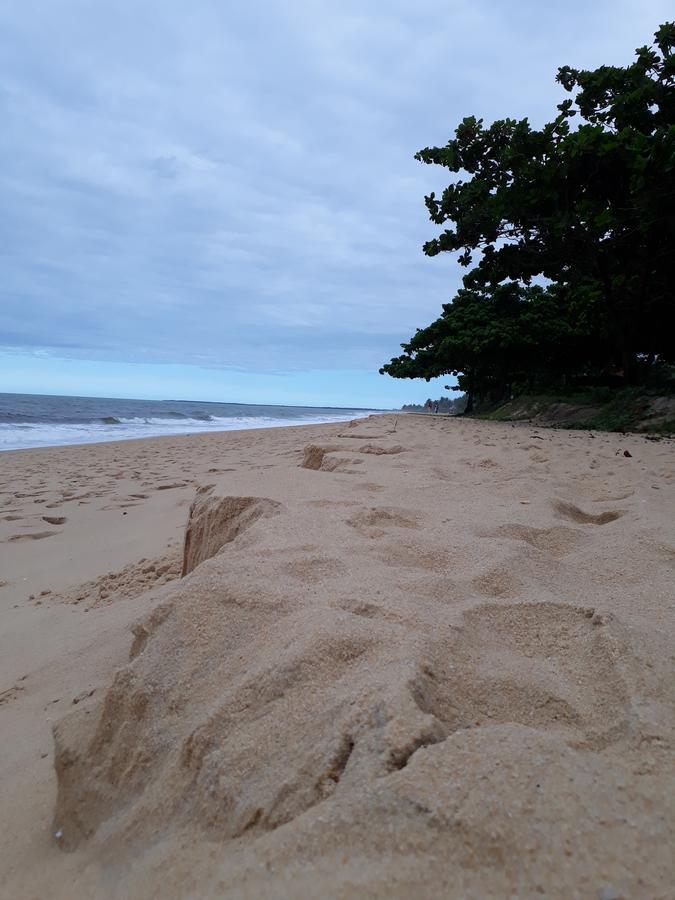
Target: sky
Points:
(218, 200)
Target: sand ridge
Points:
(440, 666)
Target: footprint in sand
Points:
(373, 523)
(10, 694)
(558, 540)
(499, 581)
(569, 511)
(485, 463)
(543, 665)
(409, 556)
(315, 569)
(381, 451)
(34, 536)
(361, 608)
(55, 520)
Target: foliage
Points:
(499, 340)
(623, 409)
(587, 211)
(452, 406)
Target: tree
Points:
(590, 210)
(502, 339)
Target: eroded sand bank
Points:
(410, 657)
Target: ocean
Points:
(34, 420)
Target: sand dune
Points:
(407, 657)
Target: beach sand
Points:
(409, 657)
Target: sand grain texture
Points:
(449, 676)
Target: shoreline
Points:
(179, 434)
(442, 648)
(185, 434)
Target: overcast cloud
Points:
(231, 184)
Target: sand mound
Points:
(319, 458)
(240, 713)
(215, 521)
(263, 714)
(313, 456)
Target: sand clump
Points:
(429, 690)
(127, 583)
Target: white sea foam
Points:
(24, 435)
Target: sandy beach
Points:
(405, 656)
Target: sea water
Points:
(35, 420)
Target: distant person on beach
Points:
(435, 407)
(428, 405)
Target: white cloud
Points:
(234, 184)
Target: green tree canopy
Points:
(590, 210)
(496, 339)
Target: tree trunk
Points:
(630, 375)
(469, 403)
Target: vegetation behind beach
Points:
(566, 233)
